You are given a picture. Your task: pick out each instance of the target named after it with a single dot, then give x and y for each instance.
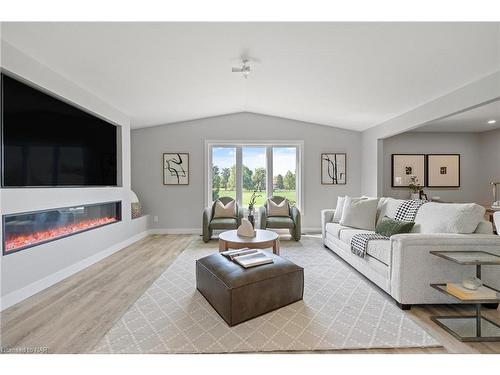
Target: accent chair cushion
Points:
(280, 222)
(359, 213)
(223, 223)
(389, 227)
(274, 209)
(224, 210)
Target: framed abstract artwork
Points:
(443, 170)
(333, 168)
(405, 166)
(176, 168)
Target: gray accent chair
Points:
(209, 223)
(291, 222)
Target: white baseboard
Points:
(175, 231)
(198, 230)
(311, 230)
(33, 288)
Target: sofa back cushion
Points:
(338, 210)
(484, 227)
(359, 213)
(448, 218)
(387, 207)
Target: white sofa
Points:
(403, 266)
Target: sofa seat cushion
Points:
(334, 229)
(378, 249)
(279, 222)
(346, 235)
(224, 223)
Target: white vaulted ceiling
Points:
(350, 75)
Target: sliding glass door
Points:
(285, 172)
(223, 172)
(238, 170)
(254, 174)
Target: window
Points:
(253, 174)
(285, 172)
(223, 172)
(236, 170)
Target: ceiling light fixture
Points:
(492, 121)
(245, 69)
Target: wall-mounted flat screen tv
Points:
(49, 142)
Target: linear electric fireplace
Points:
(28, 229)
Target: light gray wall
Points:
(490, 163)
(180, 207)
(29, 271)
(476, 169)
(481, 91)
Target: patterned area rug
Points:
(340, 310)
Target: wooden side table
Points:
(263, 239)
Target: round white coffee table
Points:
(263, 239)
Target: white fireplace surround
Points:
(29, 271)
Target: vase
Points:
(414, 196)
(251, 217)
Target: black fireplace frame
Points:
(5, 216)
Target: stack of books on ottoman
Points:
(248, 257)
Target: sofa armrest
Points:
(326, 217)
(413, 268)
(262, 217)
(447, 239)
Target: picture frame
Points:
(333, 168)
(175, 168)
(403, 166)
(443, 170)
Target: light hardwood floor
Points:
(73, 315)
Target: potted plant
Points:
(251, 207)
(415, 187)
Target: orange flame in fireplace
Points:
(17, 242)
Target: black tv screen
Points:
(48, 142)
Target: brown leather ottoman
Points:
(239, 294)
